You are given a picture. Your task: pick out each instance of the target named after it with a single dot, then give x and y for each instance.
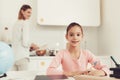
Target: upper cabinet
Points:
(63, 12)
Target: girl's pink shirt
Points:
(69, 64)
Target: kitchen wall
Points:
(102, 40)
(109, 31)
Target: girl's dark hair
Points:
(72, 25)
(24, 8)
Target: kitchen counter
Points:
(41, 57)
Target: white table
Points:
(24, 75)
(30, 75)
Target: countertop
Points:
(41, 57)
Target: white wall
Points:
(109, 31)
(49, 35)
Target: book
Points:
(50, 77)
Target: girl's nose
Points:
(75, 37)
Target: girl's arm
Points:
(56, 62)
(52, 69)
(101, 69)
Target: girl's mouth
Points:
(75, 42)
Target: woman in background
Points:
(20, 42)
(74, 60)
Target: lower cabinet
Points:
(40, 63)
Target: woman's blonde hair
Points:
(24, 8)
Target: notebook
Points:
(50, 77)
(88, 77)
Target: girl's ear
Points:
(66, 36)
(22, 12)
(82, 35)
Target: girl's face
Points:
(27, 13)
(74, 36)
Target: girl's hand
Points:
(71, 74)
(97, 73)
(33, 47)
(85, 72)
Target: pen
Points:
(95, 63)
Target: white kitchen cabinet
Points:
(40, 63)
(63, 12)
(33, 65)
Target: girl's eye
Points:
(78, 34)
(71, 35)
(29, 12)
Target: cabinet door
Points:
(63, 12)
(39, 64)
(43, 65)
(33, 65)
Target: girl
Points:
(74, 60)
(21, 39)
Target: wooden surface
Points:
(86, 77)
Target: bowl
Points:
(40, 52)
(33, 47)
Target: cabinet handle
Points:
(42, 63)
(41, 20)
